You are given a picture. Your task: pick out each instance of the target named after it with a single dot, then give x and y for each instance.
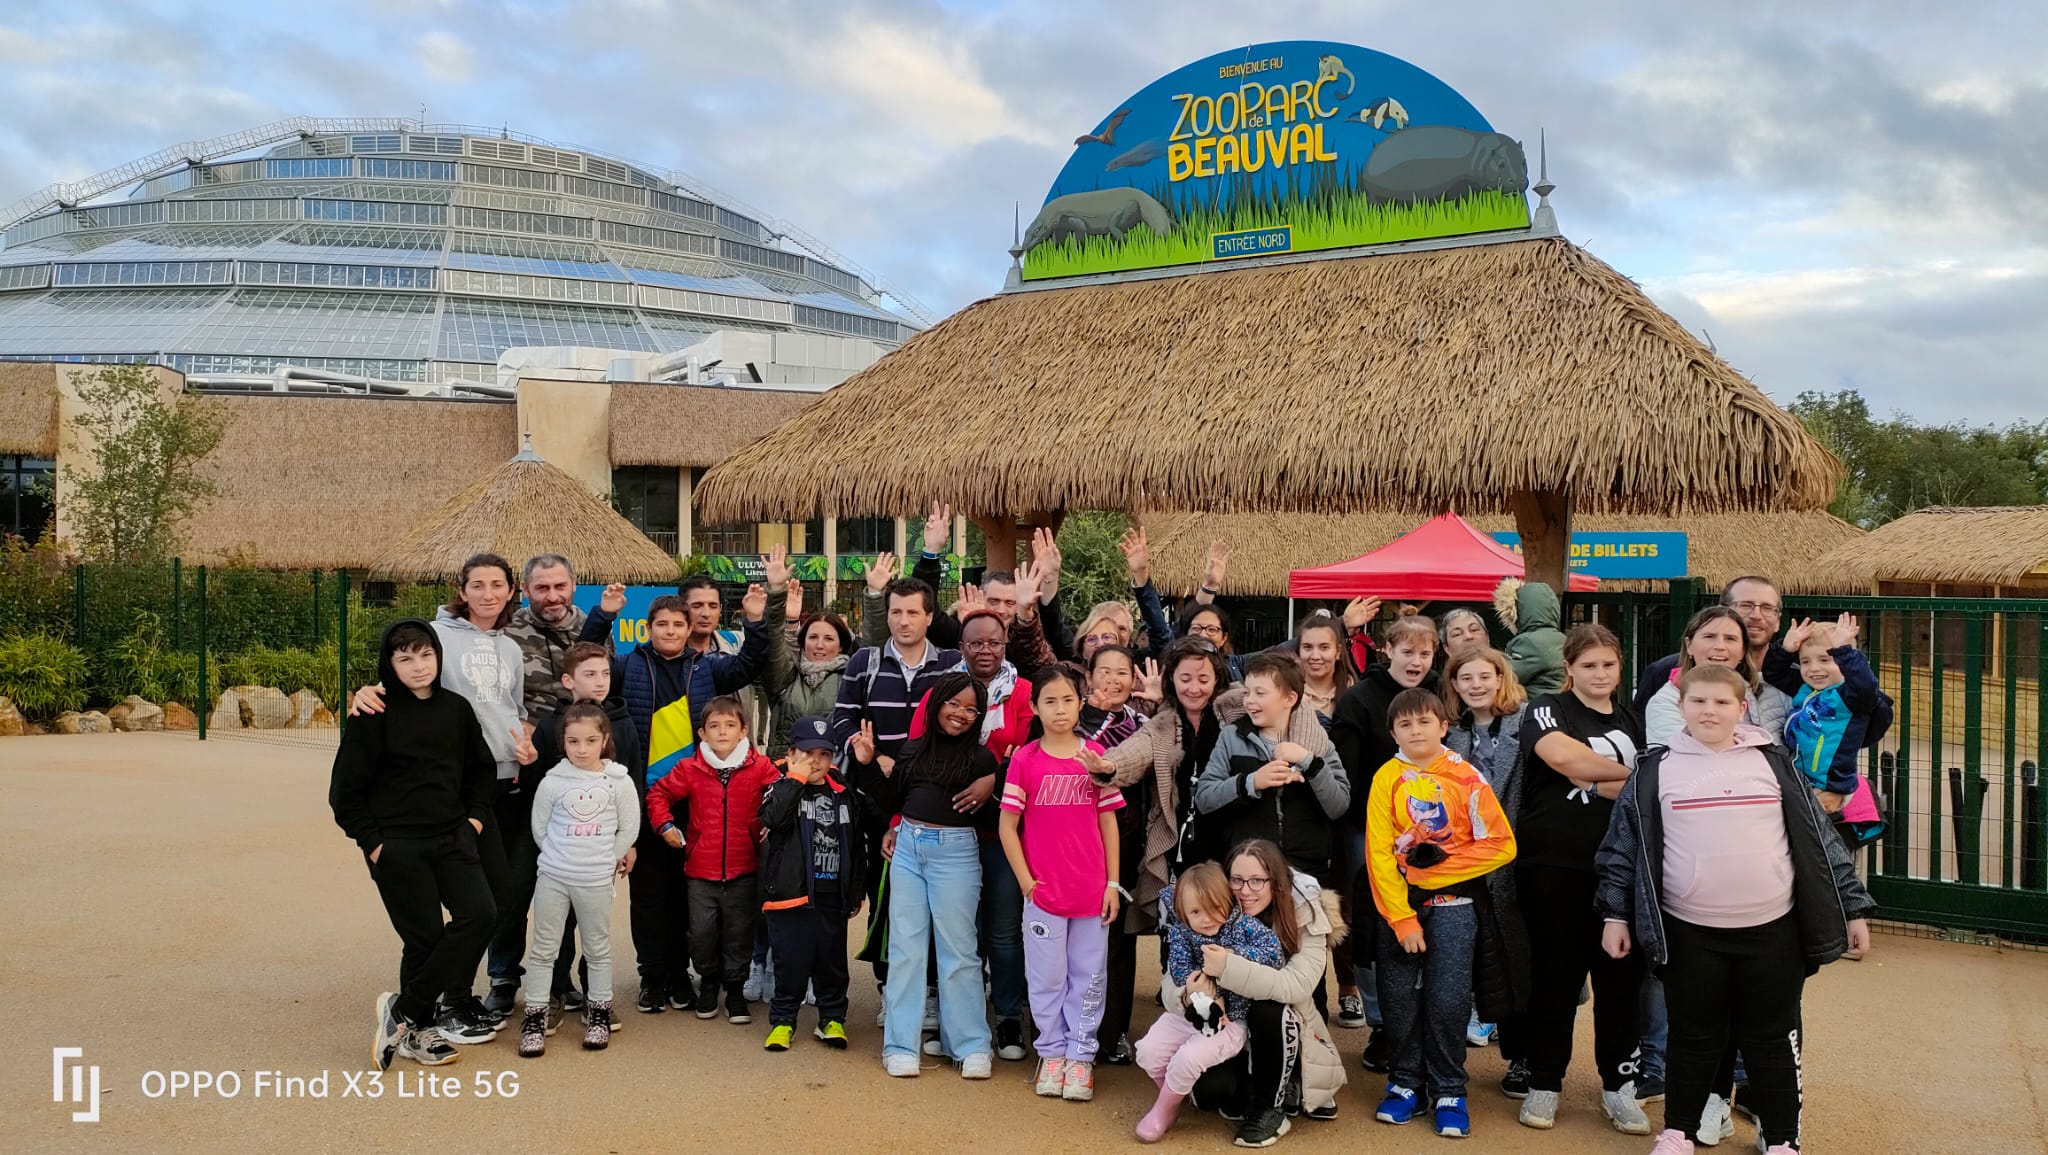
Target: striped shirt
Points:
(880, 687)
(1726, 859)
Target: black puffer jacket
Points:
(787, 812)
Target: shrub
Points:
(42, 675)
(289, 669)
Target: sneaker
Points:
(881, 1015)
(1324, 1113)
(1539, 1110)
(1398, 1107)
(476, 1009)
(384, 1043)
(1010, 1040)
(736, 1010)
(502, 999)
(931, 1012)
(1478, 1034)
(832, 1033)
(900, 1066)
(460, 1026)
(1078, 1085)
(1262, 1129)
(1052, 1077)
(934, 1048)
(586, 1018)
(597, 1027)
(554, 1016)
(533, 1034)
(1650, 1089)
(571, 999)
(1672, 1142)
(1515, 1084)
(978, 1066)
(1375, 1058)
(425, 1046)
(779, 1037)
(653, 1000)
(1717, 1122)
(704, 1002)
(1350, 1011)
(682, 996)
(756, 984)
(1451, 1119)
(1623, 1111)
(1119, 1053)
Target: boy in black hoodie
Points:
(413, 786)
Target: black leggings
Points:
(1741, 985)
(1564, 947)
(1258, 1077)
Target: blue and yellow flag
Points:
(670, 739)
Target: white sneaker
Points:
(756, 988)
(901, 1066)
(1623, 1111)
(979, 1066)
(1539, 1110)
(933, 1048)
(1717, 1122)
(1052, 1077)
(931, 1012)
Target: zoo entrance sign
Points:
(1296, 146)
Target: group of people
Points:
(1010, 808)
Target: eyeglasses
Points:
(1101, 639)
(984, 644)
(1763, 609)
(1208, 631)
(1254, 885)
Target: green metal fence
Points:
(1960, 774)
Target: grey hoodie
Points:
(584, 823)
(486, 667)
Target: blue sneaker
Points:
(1452, 1120)
(1399, 1106)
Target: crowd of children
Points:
(1498, 853)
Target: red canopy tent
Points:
(1444, 559)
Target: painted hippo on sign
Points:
(1437, 162)
(1109, 212)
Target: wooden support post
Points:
(1544, 519)
(1007, 537)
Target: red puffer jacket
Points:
(722, 830)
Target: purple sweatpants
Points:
(1175, 1052)
(1066, 963)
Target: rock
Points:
(177, 717)
(227, 713)
(264, 707)
(11, 724)
(310, 713)
(135, 713)
(90, 722)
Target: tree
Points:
(1092, 568)
(1896, 466)
(144, 481)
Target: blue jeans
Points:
(934, 894)
(1656, 1031)
(1002, 931)
(1429, 1001)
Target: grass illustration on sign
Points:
(1295, 142)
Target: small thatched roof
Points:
(693, 425)
(309, 482)
(28, 409)
(1446, 378)
(1785, 547)
(1989, 546)
(522, 508)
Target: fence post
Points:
(78, 606)
(341, 647)
(177, 604)
(1898, 858)
(2033, 834)
(1685, 593)
(1973, 744)
(205, 703)
(1966, 803)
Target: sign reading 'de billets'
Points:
(1620, 556)
(1292, 146)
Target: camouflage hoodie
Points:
(542, 646)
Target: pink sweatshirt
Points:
(1726, 860)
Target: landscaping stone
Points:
(135, 713)
(11, 723)
(309, 712)
(90, 722)
(177, 717)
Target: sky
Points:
(1838, 194)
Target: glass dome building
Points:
(413, 253)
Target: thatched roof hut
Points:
(1982, 552)
(1475, 377)
(693, 425)
(522, 508)
(28, 409)
(1785, 547)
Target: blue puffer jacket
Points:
(703, 676)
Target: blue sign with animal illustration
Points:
(1620, 556)
(1295, 146)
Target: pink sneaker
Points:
(1672, 1142)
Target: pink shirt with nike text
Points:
(1062, 831)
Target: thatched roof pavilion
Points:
(1786, 547)
(522, 508)
(1984, 552)
(1523, 375)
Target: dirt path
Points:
(177, 905)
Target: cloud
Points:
(445, 57)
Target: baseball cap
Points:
(810, 733)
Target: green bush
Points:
(289, 669)
(42, 675)
(143, 663)
(35, 588)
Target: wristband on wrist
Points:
(1210, 591)
(1118, 887)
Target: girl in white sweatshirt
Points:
(585, 818)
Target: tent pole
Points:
(1290, 613)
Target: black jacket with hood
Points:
(785, 869)
(1364, 736)
(417, 769)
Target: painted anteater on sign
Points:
(1109, 212)
(1437, 162)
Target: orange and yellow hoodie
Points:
(1445, 803)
